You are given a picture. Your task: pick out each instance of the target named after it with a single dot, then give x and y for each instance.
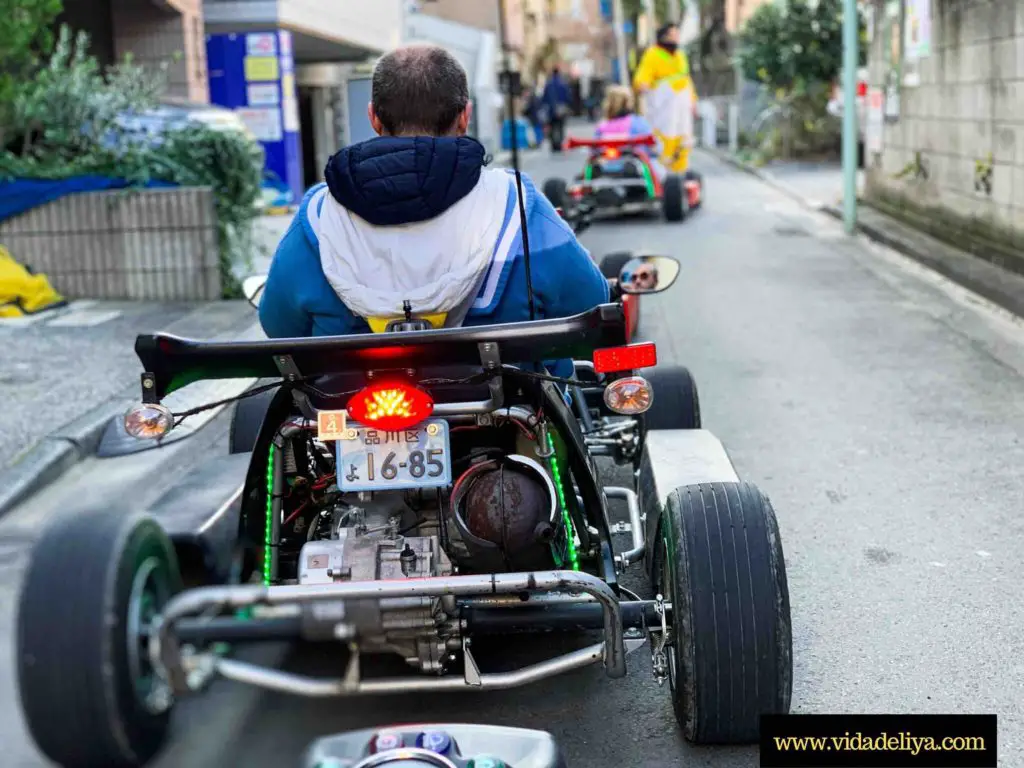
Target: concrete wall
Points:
(146, 245)
(967, 113)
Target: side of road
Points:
(1000, 286)
(58, 451)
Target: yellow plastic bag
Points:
(23, 293)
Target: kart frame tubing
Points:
(165, 647)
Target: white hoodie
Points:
(436, 265)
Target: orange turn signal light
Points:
(630, 396)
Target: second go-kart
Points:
(404, 493)
(437, 745)
(620, 179)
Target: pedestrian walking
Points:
(556, 102)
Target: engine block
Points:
(368, 547)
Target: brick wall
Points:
(156, 32)
(966, 114)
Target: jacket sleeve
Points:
(281, 312)
(566, 279)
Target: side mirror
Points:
(648, 274)
(252, 289)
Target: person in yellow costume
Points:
(669, 97)
(22, 292)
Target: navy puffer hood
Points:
(396, 180)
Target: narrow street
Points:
(880, 408)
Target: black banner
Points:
(878, 741)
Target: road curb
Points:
(997, 285)
(763, 175)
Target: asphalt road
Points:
(880, 408)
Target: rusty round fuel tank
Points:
(509, 507)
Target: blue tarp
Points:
(23, 195)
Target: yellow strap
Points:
(380, 324)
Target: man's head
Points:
(419, 90)
(668, 36)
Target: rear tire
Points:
(88, 694)
(676, 400)
(556, 190)
(674, 203)
(731, 654)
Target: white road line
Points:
(85, 318)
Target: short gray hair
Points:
(419, 89)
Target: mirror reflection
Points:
(648, 274)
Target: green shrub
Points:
(66, 121)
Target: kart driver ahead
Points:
(414, 215)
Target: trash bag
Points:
(22, 292)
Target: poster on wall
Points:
(918, 26)
(875, 122)
(892, 42)
(262, 94)
(261, 44)
(263, 123)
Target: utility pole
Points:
(850, 62)
(652, 21)
(620, 41)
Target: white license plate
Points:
(374, 460)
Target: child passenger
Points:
(621, 121)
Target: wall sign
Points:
(253, 74)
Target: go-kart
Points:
(404, 493)
(437, 745)
(619, 179)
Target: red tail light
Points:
(628, 358)
(390, 406)
(862, 89)
(612, 153)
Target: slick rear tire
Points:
(675, 203)
(676, 401)
(731, 655)
(89, 697)
(555, 190)
(247, 420)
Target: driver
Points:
(414, 215)
(644, 277)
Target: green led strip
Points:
(648, 179)
(270, 518)
(570, 530)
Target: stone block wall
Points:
(953, 163)
(158, 245)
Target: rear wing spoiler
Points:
(171, 362)
(647, 140)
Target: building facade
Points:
(155, 32)
(313, 99)
(944, 126)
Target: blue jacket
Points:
(422, 219)
(555, 92)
